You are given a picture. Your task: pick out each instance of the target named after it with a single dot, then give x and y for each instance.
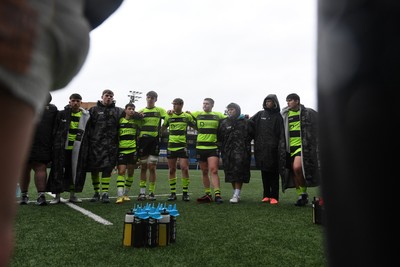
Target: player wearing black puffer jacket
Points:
(269, 147)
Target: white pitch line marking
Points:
(85, 212)
(89, 214)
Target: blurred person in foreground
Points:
(43, 45)
(40, 156)
(358, 77)
(177, 149)
(302, 147)
(235, 134)
(69, 151)
(270, 147)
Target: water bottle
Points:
(173, 212)
(18, 191)
(128, 230)
(153, 227)
(164, 229)
(151, 232)
(317, 210)
(139, 236)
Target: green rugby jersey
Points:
(151, 123)
(178, 130)
(73, 128)
(294, 132)
(128, 129)
(207, 126)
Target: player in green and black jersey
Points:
(127, 154)
(207, 152)
(178, 122)
(149, 144)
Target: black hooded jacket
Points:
(269, 138)
(103, 135)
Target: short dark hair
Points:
(293, 96)
(178, 101)
(75, 96)
(130, 105)
(152, 94)
(107, 91)
(209, 100)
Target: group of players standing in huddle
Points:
(75, 141)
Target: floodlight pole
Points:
(134, 96)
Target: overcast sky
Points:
(230, 50)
